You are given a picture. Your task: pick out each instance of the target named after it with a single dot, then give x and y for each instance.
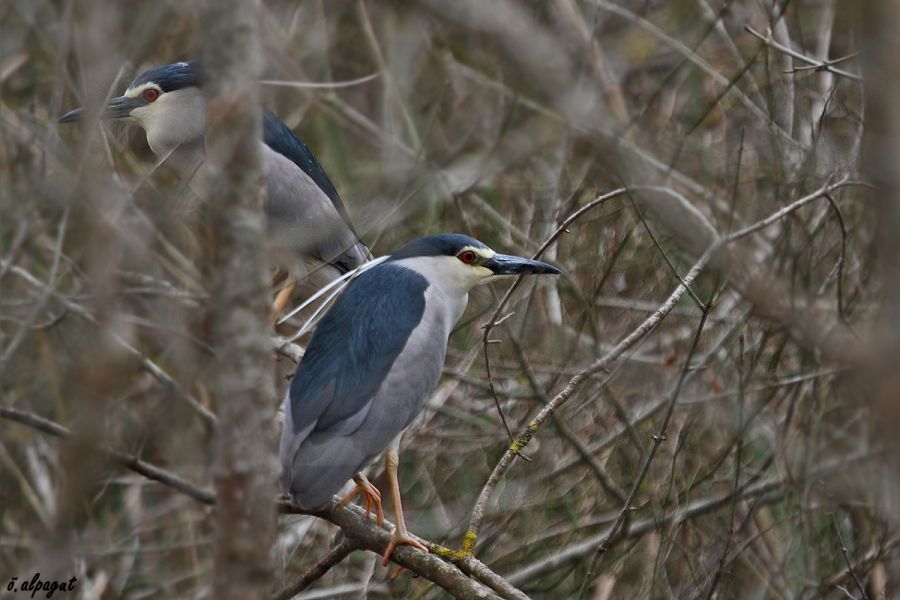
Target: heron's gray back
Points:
(303, 220)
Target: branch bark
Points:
(818, 65)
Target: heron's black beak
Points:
(117, 108)
(503, 264)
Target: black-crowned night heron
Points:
(308, 226)
(372, 361)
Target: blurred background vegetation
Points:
(497, 119)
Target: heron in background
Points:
(309, 229)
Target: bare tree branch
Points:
(818, 65)
(563, 395)
(763, 492)
(844, 552)
(125, 460)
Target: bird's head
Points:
(166, 101)
(464, 262)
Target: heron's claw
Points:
(401, 538)
(371, 497)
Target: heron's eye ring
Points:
(468, 257)
(151, 94)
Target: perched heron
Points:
(372, 361)
(309, 229)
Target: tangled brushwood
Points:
(704, 403)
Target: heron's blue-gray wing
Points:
(280, 138)
(347, 360)
(343, 248)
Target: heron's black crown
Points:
(172, 77)
(442, 244)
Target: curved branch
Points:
(822, 192)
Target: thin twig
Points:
(817, 65)
(737, 472)
(873, 555)
(125, 460)
(562, 427)
(841, 257)
(146, 363)
(700, 63)
(768, 491)
(570, 388)
(844, 551)
(316, 571)
(319, 85)
(672, 269)
(494, 319)
(792, 207)
(620, 527)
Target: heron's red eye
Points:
(151, 94)
(468, 257)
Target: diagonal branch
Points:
(822, 192)
(768, 491)
(315, 572)
(620, 527)
(157, 372)
(563, 396)
(817, 65)
(495, 319)
(128, 461)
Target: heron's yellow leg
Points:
(281, 301)
(400, 536)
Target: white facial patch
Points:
(175, 118)
(483, 253)
(134, 92)
(449, 272)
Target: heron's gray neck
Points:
(184, 159)
(451, 296)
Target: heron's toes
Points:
(401, 538)
(371, 497)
